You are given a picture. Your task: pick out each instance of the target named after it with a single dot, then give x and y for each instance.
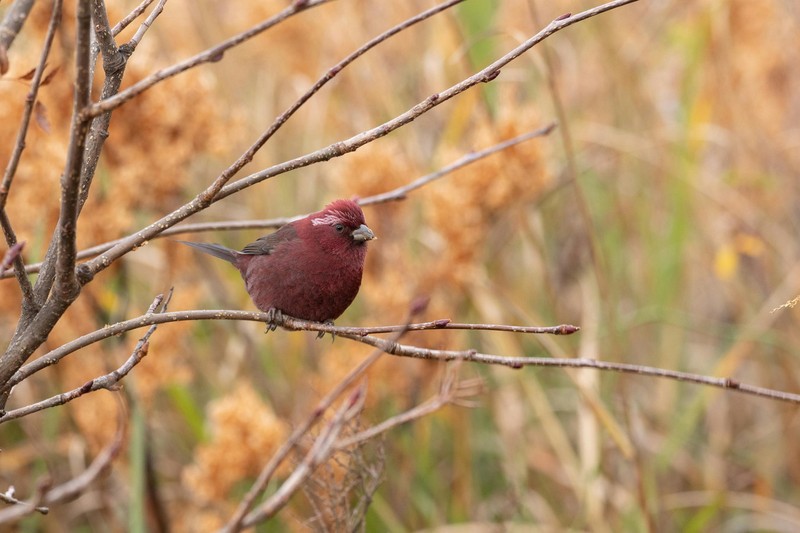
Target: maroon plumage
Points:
(310, 268)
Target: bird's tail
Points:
(217, 250)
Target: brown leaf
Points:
(47, 79)
(3, 60)
(40, 112)
(28, 75)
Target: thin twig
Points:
(115, 60)
(401, 192)
(6, 497)
(396, 349)
(337, 149)
(322, 448)
(133, 15)
(452, 391)
(248, 155)
(30, 100)
(108, 381)
(258, 487)
(11, 255)
(208, 56)
(54, 356)
(72, 488)
(151, 18)
(486, 75)
(397, 194)
(16, 155)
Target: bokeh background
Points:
(661, 216)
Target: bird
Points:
(309, 269)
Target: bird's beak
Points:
(362, 234)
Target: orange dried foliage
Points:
(462, 209)
(244, 433)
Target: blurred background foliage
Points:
(662, 217)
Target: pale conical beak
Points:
(363, 234)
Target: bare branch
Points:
(247, 157)
(133, 15)
(485, 75)
(30, 99)
(401, 192)
(108, 381)
(209, 56)
(151, 18)
(236, 521)
(75, 486)
(33, 506)
(112, 58)
(452, 391)
(13, 162)
(66, 283)
(322, 448)
(12, 23)
(39, 317)
(397, 194)
(64, 350)
(393, 348)
(339, 148)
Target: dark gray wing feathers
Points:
(266, 244)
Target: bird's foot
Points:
(274, 319)
(321, 334)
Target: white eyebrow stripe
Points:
(334, 217)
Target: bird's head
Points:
(341, 226)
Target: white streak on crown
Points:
(333, 217)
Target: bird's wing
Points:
(266, 245)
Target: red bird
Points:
(310, 268)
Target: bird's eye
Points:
(339, 228)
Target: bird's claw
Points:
(274, 319)
(321, 334)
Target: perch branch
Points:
(358, 334)
(64, 350)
